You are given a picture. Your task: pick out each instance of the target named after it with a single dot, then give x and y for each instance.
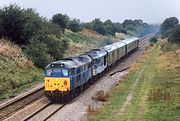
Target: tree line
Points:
(170, 28)
(42, 40)
(131, 27)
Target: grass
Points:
(14, 52)
(14, 79)
(156, 96)
(17, 72)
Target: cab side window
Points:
(64, 72)
(71, 71)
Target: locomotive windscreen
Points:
(57, 72)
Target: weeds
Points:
(92, 110)
(158, 94)
(101, 96)
(14, 52)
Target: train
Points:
(69, 76)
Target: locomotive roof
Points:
(82, 59)
(110, 47)
(119, 44)
(129, 40)
(69, 63)
(96, 53)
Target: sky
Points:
(150, 11)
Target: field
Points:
(150, 92)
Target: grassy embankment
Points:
(17, 72)
(156, 96)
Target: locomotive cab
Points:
(58, 76)
(63, 77)
(57, 79)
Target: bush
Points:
(101, 96)
(57, 47)
(74, 25)
(45, 48)
(174, 35)
(105, 41)
(153, 40)
(38, 51)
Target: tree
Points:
(128, 22)
(38, 52)
(138, 22)
(109, 27)
(19, 24)
(61, 20)
(52, 29)
(174, 34)
(56, 46)
(118, 27)
(74, 25)
(97, 25)
(168, 24)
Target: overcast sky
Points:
(150, 11)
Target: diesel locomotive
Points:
(67, 77)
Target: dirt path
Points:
(130, 95)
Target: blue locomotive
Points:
(67, 77)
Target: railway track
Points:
(45, 112)
(144, 40)
(21, 104)
(17, 103)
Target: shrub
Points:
(43, 49)
(101, 96)
(92, 110)
(174, 35)
(56, 46)
(153, 40)
(74, 25)
(106, 41)
(38, 51)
